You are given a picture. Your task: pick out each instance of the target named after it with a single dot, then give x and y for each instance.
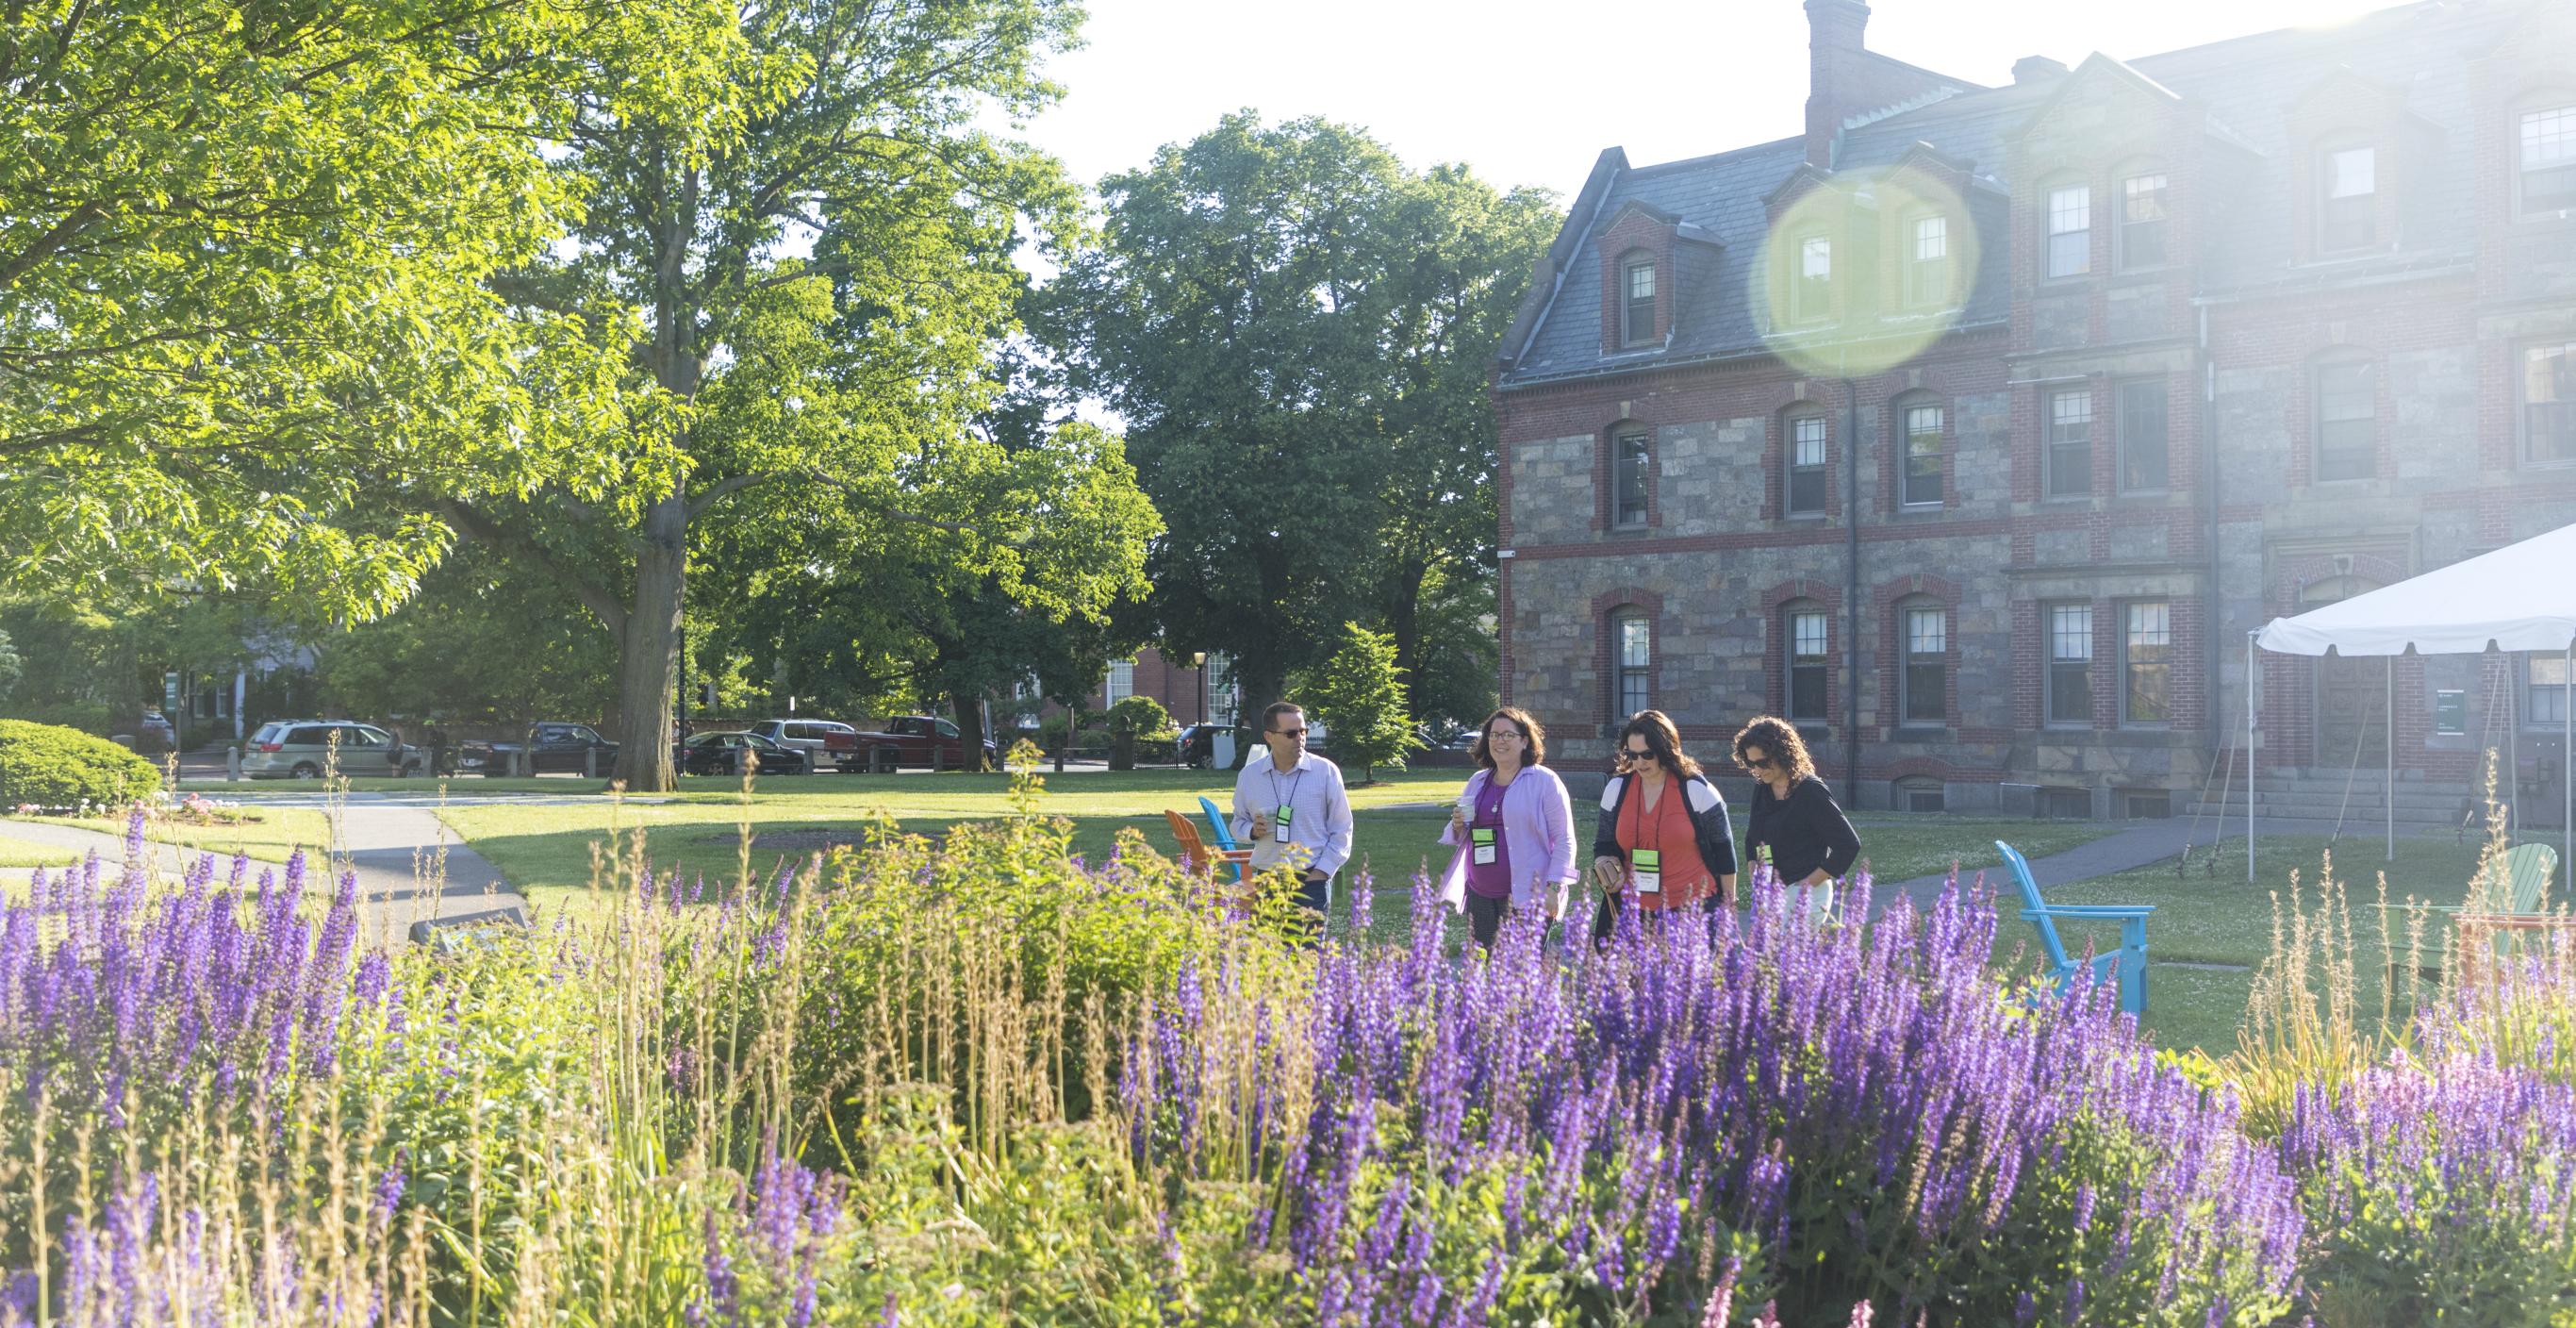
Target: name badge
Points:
(1483, 839)
(1647, 871)
(1282, 817)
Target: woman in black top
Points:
(1794, 815)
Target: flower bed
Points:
(982, 1082)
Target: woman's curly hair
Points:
(1780, 738)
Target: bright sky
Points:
(1530, 93)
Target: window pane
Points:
(1634, 694)
(2549, 402)
(1927, 270)
(1807, 464)
(2549, 160)
(1636, 641)
(2070, 662)
(2070, 632)
(2346, 217)
(1922, 455)
(2142, 436)
(2142, 221)
(1807, 665)
(1926, 667)
(1641, 281)
(2548, 700)
(1631, 461)
(2070, 230)
(2347, 427)
(2069, 464)
(1807, 636)
(2146, 699)
(1814, 291)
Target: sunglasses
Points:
(1757, 763)
(1290, 733)
(1635, 754)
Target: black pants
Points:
(1605, 919)
(1485, 914)
(1316, 892)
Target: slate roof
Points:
(2248, 86)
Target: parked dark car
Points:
(1198, 743)
(721, 754)
(551, 746)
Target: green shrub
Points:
(1140, 717)
(87, 716)
(59, 767)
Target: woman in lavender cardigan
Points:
(1513, 828)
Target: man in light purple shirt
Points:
(1289, 804)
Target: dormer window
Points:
(2070, 231)
(1811, 294)
(2347, 199)
(1637, 312)
(1927, 261)
(2142, 222)
(2546, 158)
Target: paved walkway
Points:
(410, 866)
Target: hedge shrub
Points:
(53, 766)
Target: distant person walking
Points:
(1291, 805)
(1796, 826)
(1663, 841)
(1513, 828)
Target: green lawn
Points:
(2200, 920)
(272, 834)
(15, 852)
(2224, 921)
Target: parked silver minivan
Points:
(301, 748)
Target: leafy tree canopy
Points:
(245, 322)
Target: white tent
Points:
(2520, 597)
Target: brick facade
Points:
(2206, 304)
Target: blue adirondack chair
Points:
(2128, 963)
(1223, 830)
(1218, 823)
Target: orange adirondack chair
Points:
(1196, 853)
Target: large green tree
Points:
(246, 333)
(1296, 330)
(852, 125)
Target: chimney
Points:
(2037, 69)
(1833, 43)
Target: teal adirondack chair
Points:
(2128, 963)
(1223, 830)
(1218, 823)
(2527, 870)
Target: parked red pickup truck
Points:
(915, 740)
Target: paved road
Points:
(409, 866)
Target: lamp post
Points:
(1198, 662)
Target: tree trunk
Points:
(648, 670)
(1404, 617)
(970, 731)
(1263, 680)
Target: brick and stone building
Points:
(1975, 427)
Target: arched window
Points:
(1636, 298)
(2144, 219)
(1805, 473)
(2347, 418)
(1805, 636)
(1631, 462)
(1919, 422)
(1632, 662)
(2066, 218)
(2347, 196)
(1927, 260)
(2545, 158)
(1923, 686)
(1811, 278)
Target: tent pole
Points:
(2521, 675)
(2388, 731)
(2249, 758)
(2567, 769)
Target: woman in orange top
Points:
(1663, 840)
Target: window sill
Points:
(2060, 285)
(2565, 464)
(1629, 531)
(1922, 733)
(2066, 498)
(1818, 517)
(2066, 728)
(1921, 509)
